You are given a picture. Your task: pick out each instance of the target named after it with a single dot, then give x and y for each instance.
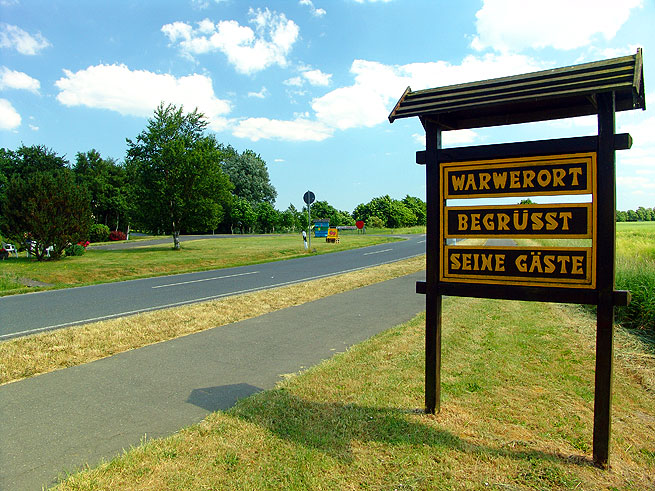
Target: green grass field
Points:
(100, 266)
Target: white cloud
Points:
(377, 86)
(9, 117)
(11, 79)
(317, 77)
(139, 92)
(33, 127)
(262, 94)
(14, 37)
(368, 101)
(294, 82)
(515, 25)
(299, 129)
(248, 50)
(315, 12)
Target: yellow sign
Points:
(525, 176)
(332, 235)
(509, 221)
(526, 266)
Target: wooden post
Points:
(433, 247)
(605, 256)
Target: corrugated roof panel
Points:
(570, 90)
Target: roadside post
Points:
(583, 167)
(309, 198)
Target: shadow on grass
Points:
(331, 428)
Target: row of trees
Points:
(175, 179)
(641, 214)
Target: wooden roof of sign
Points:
(551, 94)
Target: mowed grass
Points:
(101, 266)
(517, 413)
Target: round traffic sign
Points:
(360, 224)
(309, 197)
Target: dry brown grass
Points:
(41, 353)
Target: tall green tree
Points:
(248, 172)
(176, 180)
(107, 184)
(48, 208)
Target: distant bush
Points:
(75, 250)
(375, 222)
(117, 235)
(99, 233)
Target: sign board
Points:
(332, 235)
(525, 176)
(521, 176)
(308, 197)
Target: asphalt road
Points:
(35, 312)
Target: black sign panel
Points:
(526, 176)
(508, 221)
(530, 266)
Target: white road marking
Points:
(377, 252)
(204, 279)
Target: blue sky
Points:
(306, 84)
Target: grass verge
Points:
(517, 413)
(102, 266)
(45, 352)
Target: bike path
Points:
(61, 421)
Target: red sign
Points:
(360, 224)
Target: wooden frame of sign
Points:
(569, 166)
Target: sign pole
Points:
(309, 221)
(605, 270)
(433, 296)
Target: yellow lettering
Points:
(458, 182)
(528, 176)
(486, 262)
(503, 220)
(537, 222)
(565, 216)
(470, 183)
(576, 266)
(500, 180)
(521, 225)
(550, 219)
(488, 221)
(558, 177)
(514, 179)
(521, 263)
(563, 261)
(462, 222)
(575, 172)
(543, 178)
(475, 221)
(550, 265)
(454, 262)
(536, 263)
(485, 177)
(466, 262)
(500, 262)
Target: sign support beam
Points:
(605, 271)
(433, 294)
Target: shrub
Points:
(74, 250)
(117, 235)
(99, 233)
(375, 222)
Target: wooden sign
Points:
(524, 176)
(524, 266)
(571, 221)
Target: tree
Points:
(106, 182)
(267, 217)
(241, 215)
(176, 180)
(418, 208)
(49, 208)
(249, 175)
